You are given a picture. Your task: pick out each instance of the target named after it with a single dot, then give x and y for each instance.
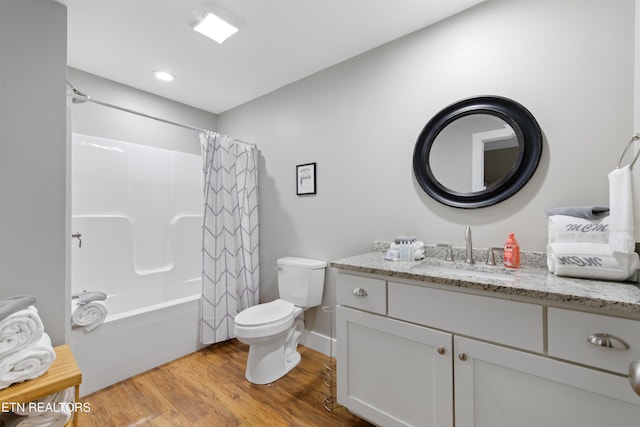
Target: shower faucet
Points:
(77, 236)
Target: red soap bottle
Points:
(512, 252)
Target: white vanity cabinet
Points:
(414, 354)
(394, 373)
(391, 373)
(497, 386)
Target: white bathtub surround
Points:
(89, 316)
(230, 278)
(139, 211)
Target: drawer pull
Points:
(359, 292)
(441, 350)
(462, 357)
(609, 341)
(634, 376)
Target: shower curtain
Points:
(230, 270)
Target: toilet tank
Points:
(301, 280)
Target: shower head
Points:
(77, 97)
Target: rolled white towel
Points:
(52, 419)
(20, 329)
(89, 316)
(52, 410)
(590, 261)
(28, 363)
(564, 228)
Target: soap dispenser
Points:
(512, 252)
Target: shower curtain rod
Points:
(79, 98)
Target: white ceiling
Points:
(281, 41)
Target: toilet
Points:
(273, 329)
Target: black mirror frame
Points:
(529, 138)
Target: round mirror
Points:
(477, 152)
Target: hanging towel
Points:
(28, 363)
(89, 315)
(52, 410)
(562, 228)
(590, 261)
(635, 195)
(20, 329)
(621, 223)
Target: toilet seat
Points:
(265, 319)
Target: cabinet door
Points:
(500, 387)
(393, 373)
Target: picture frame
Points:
(306, 179)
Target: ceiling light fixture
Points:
(163, 75)
(214, 22)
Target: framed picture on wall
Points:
(306, 179)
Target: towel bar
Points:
(635, 137)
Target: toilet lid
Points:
(262, 314)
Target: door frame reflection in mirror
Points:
(490, 140)
(528, 135)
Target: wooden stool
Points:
(62, 374)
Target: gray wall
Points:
(33, 225)
(570, 63)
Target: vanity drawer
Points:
(501, 321)
(364, 293)
(569, 332)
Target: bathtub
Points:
(132, 342)
(138, 212)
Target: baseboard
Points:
(318, 342)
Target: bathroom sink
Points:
(470, 271)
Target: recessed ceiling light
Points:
(164, 76)
(214, 22)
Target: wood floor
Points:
(208, 388)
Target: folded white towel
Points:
(621, 230)
(28, 363)
(590, 261)
(89, 316)
(20, 329)
(52, 410)
(564, 228)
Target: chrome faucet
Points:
(449, 253)
(467, 238)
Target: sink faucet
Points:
(467, 238)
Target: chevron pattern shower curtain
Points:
(230, 270)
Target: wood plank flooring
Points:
(208, 388)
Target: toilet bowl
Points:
(273, 329)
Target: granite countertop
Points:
(526, 282)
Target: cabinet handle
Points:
(462, 356)
(609, 341)
(359, 292)
(441, 350)
(634, 376)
